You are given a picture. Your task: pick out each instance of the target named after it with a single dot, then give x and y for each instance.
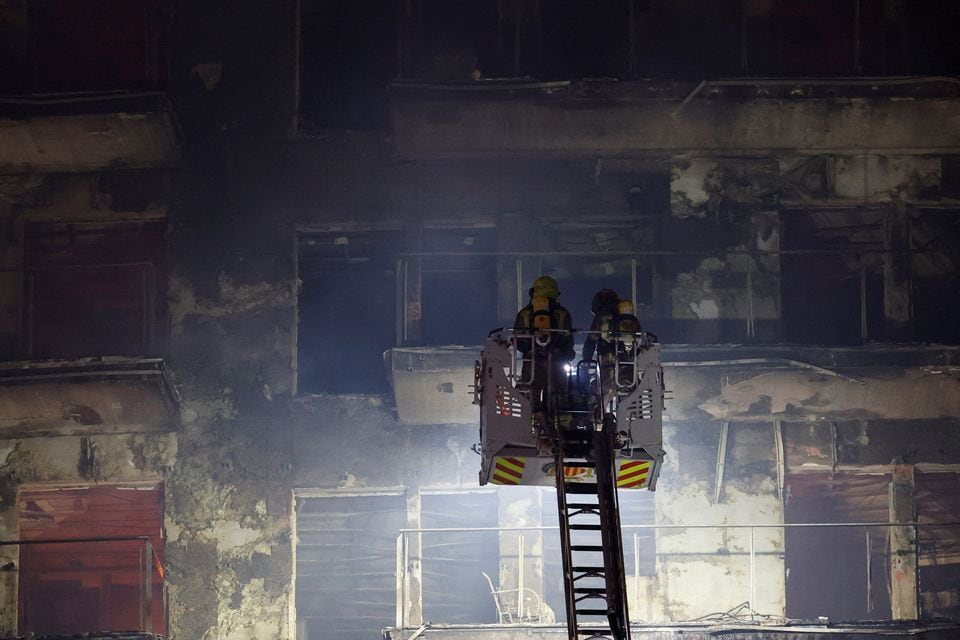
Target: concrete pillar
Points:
(903, 546)
(412, 284)
(897, 269)
(413, 566)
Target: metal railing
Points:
(861, 289)
(43, 581)
(743, 556)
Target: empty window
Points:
(459, 288)
(347, 309)
(935, 237)
(347, 57)
(834, 279)
(94, 289)
(827, 567)
(454, 589)
(346, 565)
(86, 586)
(937, 503)
(585, 258)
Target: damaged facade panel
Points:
(896, 394)
(449, 121)
(78, 143)
(859, 179)
(70, 398)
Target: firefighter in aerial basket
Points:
(544, 338)
(612, 340)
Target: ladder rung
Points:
(591, 612)
(585, 527)
(582, 505)
(580, 487)
(599, 632)
(585, 569)
(586, 547)
(586, 464)
(597, 591)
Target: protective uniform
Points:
(611, 338)
(543, 330)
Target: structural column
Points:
(897, 269)
(903, 546)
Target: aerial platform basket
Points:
(518, 448)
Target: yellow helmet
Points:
(545, 286)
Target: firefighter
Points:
(543, 331)
(599, 343)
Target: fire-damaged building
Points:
(250, 252)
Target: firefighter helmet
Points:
(545, 286)
(604, 300)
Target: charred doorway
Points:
(346, 564)
(454, 588)
(838, 572)
(346, 309)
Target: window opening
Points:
(459, 292)
(347, 57)
(833, 280)
(601, 260)
(346, 565)
(827, 566)
(935, 236)
(938, 502)
(346, 309)
(454, 589)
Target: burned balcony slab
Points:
(728, 630)
(83, 134)
(725, 117)
(432, 385)
(81, 397)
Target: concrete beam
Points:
(438, 121)
(89, 142)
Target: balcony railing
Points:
(746, 568)
(84, 585)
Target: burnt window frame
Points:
(391, 234)
(439, 258)
(300, 496)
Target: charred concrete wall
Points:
(246, 441)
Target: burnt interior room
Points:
(264, 271)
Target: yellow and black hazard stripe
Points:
(508, 470)
(633, 474)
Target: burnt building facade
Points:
(249, 253)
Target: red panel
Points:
(89, 45)
(88, 586)
(95, 289)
